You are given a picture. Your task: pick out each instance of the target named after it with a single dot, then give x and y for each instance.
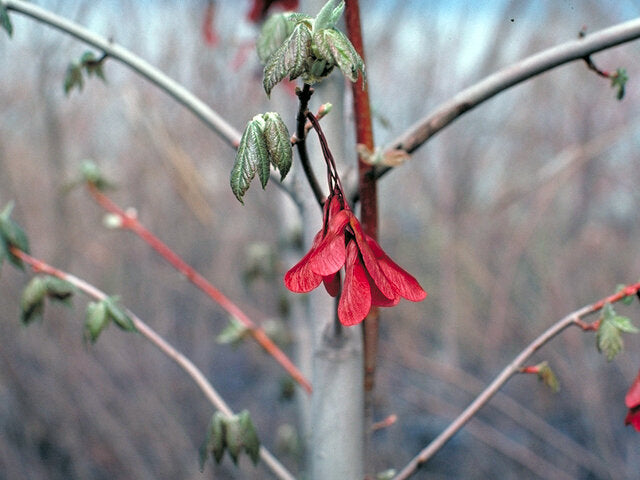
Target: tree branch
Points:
(574, 318)
(212, 119)
(507, 77)
(165, 347)
(130, 222)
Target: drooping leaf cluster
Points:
(232, 434)
(609, 335)
(38, 289)
(101, 313)
(265, 142)
(90, 64)
(11, 235)
(296, 45)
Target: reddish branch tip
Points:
(371, 277)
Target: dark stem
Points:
(592, 66)
(303, 96)
(332, 171)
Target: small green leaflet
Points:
(290, 59)
(548, 377)
(90, 64)
(233, 434)
(278, 142)
(96, 320)
(101, 313)
(329, 15)
(619, 81)
(5, 21)
(333, 46)
(32, 300)
(11, 235)
(233, 333)
(251, 157)
(265, 142)
(609, 335)
(275, 31)
(37, 290)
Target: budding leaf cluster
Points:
(5, 21)
(11, 235)
(37, 290)
(91, 65)
(232, 434)
(609, 336)
(265, 142)
(295, 45)
(101, 313)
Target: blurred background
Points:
(520, 212)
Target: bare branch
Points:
(156, 339)
(212, 119)
(507, 77)
(574, 318)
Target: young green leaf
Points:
(329, 15)
(233, 437)
(59, 290)
(12, 235)
(275, 31)
(93, 65)
(233, 333)
(32, 300)
(97, 319)
(5, 21)
(118, 315)
(333, 46)
(252, 156)
(249, 436)
(278, 143)
(215, 440)
(619, 81)
(548, 377)
(290, 59)
(623, 324)
(73, 78)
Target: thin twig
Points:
(507, 77)
(212, 119)
(301, 142)
(513, 368)
(130, 222)
(165, 347)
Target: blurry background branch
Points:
(212, 119)
(507, 77)
(574, 318)
(38, 266)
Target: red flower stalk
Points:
(371, 277)
(632, 400)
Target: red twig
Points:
(367, 188)
(38, 266)
(516, 366)
(130, 222)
